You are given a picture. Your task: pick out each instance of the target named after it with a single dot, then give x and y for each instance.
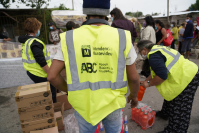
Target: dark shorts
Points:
(180, 47)
(186, 45)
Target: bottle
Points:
(153, 113)
(137, 114)
(126, 129)
(122, 131)
(125, 121)
(133, 113)
(97, 131)
(101, 126)
(144, 121)
(141, 93)
(140, 117)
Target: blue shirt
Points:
(157, 62)
(188, 30)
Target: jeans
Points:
(112, 123)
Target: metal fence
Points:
(16, 28)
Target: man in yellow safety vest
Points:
(99, 60)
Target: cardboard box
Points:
(59, 120)
(49, 130)
(38, 125)
(33, 95)
(58, 107)
(63, 98)
(33, 114)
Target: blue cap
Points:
(96, 7)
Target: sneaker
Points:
(161, 115)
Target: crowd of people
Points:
(98, 93)
(186, 36)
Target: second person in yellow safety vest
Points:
(177, 80)
(99, 60)
(35, 57)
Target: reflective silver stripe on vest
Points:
(176, 57)
(76, 85)
(29, 61)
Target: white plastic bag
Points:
(71, 124)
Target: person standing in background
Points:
(148, 33)
(134, 20)
(119, 21)
(161, 33)
(181, 32)
(54, 33)
(187, 36)
(174, 32)
(5, 33)
(70, 25)
(195, 24)
(196, 36)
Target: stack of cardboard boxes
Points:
(35, 107)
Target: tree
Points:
(34, 3)
(134, 14)
(6, 3)
(194, 6)
(148, 15)
(154, 14)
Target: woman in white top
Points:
(148, 33)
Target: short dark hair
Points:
(160, 23)
(149, 21)
(174, 24)
(118, 14)
(70, 25)
(189, 15)
(77, 26)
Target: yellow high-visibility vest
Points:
(180, 72)
(29, 61)
(95, 69)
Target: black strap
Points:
(93, 21)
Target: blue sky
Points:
(146, 6)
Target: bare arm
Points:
(46, 68)
(149, 78)
(155, 81)
(54, 76)
(133, 81)
(8, 39)
(164, 33)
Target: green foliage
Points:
(34, 3)
(154, 14)
(194, 6)
(134, 14)
(6, 3)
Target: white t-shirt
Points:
(130, 59)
